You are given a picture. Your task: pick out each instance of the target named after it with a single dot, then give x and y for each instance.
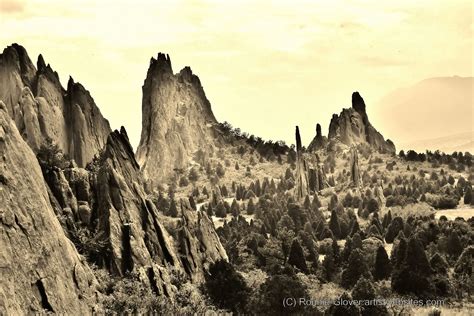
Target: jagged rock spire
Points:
(302, 182)
(354, 167)
(298, 139)
(358, 103)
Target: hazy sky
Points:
(265, 65)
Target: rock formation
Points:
(319, 141)
(177, 120)
(352, 126)
(41, 271)
(354, 167)
(111, 202)
(302, 183)
(44, 111)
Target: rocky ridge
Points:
(44, 111)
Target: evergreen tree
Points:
(334, 224)
(454, 245)
(296, 256)
(329, 267)
(356, 268)
(383, 267)
(413, 274)
(364, 291)
(235, 209)
(226, 287)
(250, 207)
(393, 229)
(468, 195)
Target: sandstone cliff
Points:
(177, 120)
(44, 111)
(352, 126)
(40, 269)
(109, 199)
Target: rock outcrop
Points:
(111, 202)
(41, 271)
(319, 141)
(44, 111)
(302, 182)
(352, 127)
(354, 167)
(177, 120)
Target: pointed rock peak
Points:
(40, 64)
(16, 56)
(123, 131)
(118, 147)
(318, 130)
(358, 103)
(162, 64)
(70, 83)
(298, 139)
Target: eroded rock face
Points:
(354, 167)
(41, 270)
(137, 238)
(129, 221)
(177, 120)
(319, 141)
(352, 126)
(302, 182)
(43, 110)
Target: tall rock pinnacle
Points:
(319, 141)
(177, 120)
(302, 182)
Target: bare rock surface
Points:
(44, 111)
(352, 127)
(177, 120)
(40, 269)
(302, 181)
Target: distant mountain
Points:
(459, 142)
(431, 109)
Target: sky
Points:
(265, 66)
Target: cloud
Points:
(11, 6)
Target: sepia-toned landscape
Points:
(368, 212)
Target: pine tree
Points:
(296, 256)
(235, 209)
(356, 268)
(329, 267)
(454, 245)
(383, 266)
(413, 274)
(334, 225)
(250, 207)
(364, 291)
